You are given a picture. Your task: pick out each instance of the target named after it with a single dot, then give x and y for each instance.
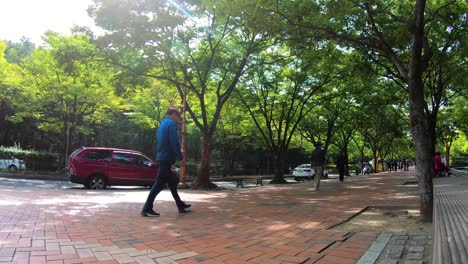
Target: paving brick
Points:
(414, 256)
(268, 224)
(144, 260)
(123, 258)
(291, 258)
(6, 259)
(37, 259)
(162, 254)
(165, 260)
(183, 255)
(101, 256)
(84, 252)
(335, 260)
(416, 249)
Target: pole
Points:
(67, 143)
(183, 165)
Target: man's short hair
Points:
(172, 109)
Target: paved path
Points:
(269, 224)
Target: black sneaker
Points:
(149, 213)
(182, 210)
(186, 206)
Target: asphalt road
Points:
(12, 182)
(43, 184)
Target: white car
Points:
(305, 172)
(12, 164)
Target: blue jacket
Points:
(168, 148)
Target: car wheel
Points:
(12, 168)
(96, 182)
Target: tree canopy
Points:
(378, 80)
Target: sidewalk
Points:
(269, 224)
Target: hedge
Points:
(35, 160)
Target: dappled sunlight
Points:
(99, 199)
(358, 187)
(277, 226)
(308, 225)
(230, 226)
(2, 202)
(404, 196)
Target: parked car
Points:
(305, 172)
(97, 168)
(12, 164)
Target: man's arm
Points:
(174, 141)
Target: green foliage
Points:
(68, 89)
(304, 71)
(146, 106)
(16, 52)
(34, 160)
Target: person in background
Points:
(341, 164)
(439, 166)
(317, 162)
(168, 151)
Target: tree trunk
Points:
(203, 181)
(374, 156)
(447, 154)
(420, 123)
(279, 171)
(346, 155)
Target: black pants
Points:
(165, 176)
(341, 172)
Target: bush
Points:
(35, 160)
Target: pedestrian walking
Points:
(340, 164)
(317, 162)
(168, 151)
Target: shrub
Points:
(35, 160)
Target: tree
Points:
(12, 133)
(397, 35)
(16, 52)
(345, 131)
(68, 90)
(199, 49)
(234, 136)
(321, 123)
(278, 97)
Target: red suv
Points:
(97, 168)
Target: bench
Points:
(240, 182)
(450, 223)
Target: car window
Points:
(121, 157)
(142, 160)
(100, 155)
(74, 153)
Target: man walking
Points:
(340, 164)
(168, 151)
(317, 162)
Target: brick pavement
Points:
(269, 224)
